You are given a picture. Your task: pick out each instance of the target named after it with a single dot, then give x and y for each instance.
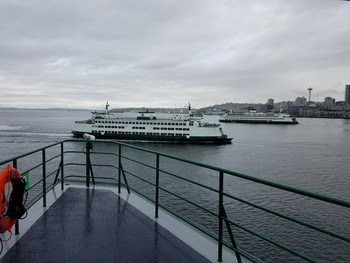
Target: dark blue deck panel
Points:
(98, 226)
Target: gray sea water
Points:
(312, 156)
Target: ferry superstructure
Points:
(258, 117)
(147, 126)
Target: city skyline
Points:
(162, 54)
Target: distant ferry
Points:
(256, 117)
(147, 126)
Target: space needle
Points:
(309, 89)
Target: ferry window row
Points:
(142, 133)
(113, 127)
(146, 123)
(143, 128)
(171, 129)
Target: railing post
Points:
(119, 166)
(88, 163)
(157, 185)
(14, 163)
(221, 199)
(62, 165)
(44, 176)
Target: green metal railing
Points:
(120, 180)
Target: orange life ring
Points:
(7, 176)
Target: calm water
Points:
(313, 155)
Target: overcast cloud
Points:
(166, 53)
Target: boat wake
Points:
(34, 134)
(9, 128)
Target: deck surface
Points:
(98, 226)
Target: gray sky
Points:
(164, 53)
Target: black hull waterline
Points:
(259, 122)
(175, 139)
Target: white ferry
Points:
(258, 117)
(146, 126)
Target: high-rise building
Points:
(347, 94)
(329, 101)
(300, 101)
(270, 102)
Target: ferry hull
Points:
(175, 139)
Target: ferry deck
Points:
(84, 218)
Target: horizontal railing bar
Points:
(29, 153)
(345, 238)
(147, 165)
(138, 177)
(138, 192)
(108, 153)
(68, 151)
(41, 180)
(39, 196)
(33, 168)
(77, 164)
(40, 164)
(38, 182)
(188, 201)
(270, 241)
(97, 165)
(52, 158)
(104, 165)
(96, 177)
(188, 180)
(34, 200)
(55, 171)
(242, 252)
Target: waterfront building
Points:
(329, 101)
(347, 94)
(300, 101)
(270, 104)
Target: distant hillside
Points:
(220, 108)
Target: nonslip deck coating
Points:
(98, 226)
